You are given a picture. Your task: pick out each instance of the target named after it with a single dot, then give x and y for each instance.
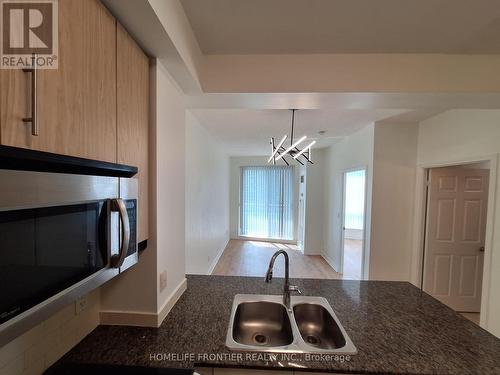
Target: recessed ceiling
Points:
(246, 132)
(345, 26)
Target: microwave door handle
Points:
(117, 205)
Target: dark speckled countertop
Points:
(396, 328)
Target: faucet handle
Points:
(294, 288)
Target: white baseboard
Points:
(171, 301)
(257, 239)
(217, 257)
(127, 318)
(329, 261)
(143, 319)
(314, 252)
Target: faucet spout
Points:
(269, 274)
(287, 288)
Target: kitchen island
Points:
(397, 329)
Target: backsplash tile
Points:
(39, 348)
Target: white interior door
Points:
(456, 226)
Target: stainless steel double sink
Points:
(263, 323)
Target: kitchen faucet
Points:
(287, 288)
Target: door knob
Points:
(481, 249)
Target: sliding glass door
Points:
(266, 202)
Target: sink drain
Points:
(259, 339)
(313, 340)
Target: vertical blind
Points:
(266, 202)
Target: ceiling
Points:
(246, 132)
(345, 26)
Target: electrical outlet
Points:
(163, 280)
(80, 304)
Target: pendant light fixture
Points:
(280, 151)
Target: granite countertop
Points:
(396, 328)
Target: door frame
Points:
(342, 221)
(420, 218)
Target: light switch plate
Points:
(80, 304)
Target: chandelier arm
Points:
(279, 151)
(291, 147)
(305, 150)
(276, 149)
(273, 153)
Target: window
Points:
(355, 199)
(266, 202)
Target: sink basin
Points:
(317, 327)
(262, 323)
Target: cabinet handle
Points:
(119, 206)
(33, 119)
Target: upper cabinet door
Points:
(133, 116)
(77, 102)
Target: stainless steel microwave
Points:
(61, 235)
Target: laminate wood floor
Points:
(251, 258)
(353, 250)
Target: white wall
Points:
(169, 185)
(134, 297)
(469, 135)
(183, 56)
(394, 167)
(355, 151)
(234, 189)
(315, 188)
(375, 73)
(207, 198)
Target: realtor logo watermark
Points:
(249, 357)
(29, 34)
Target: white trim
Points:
(143, 319)
(419, 220)
(217, 258)
(171, 301)
(342, 222)
(418, 227)
(488, 241)
(329, 261)
(258, 239)
(459, 162)
(128, 318)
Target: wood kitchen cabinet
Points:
(95, 105)
(133, 115)
(76, 102)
